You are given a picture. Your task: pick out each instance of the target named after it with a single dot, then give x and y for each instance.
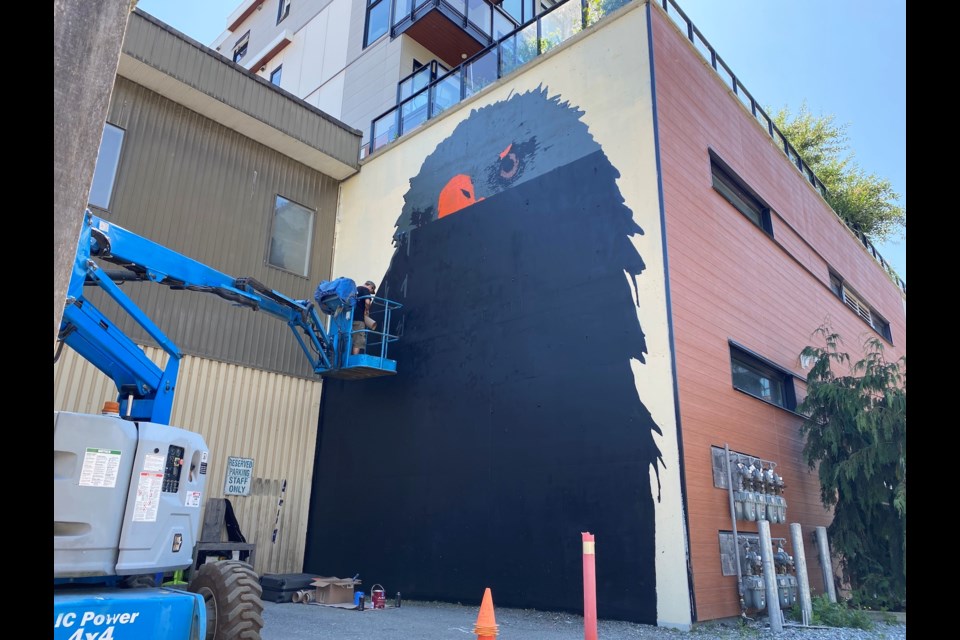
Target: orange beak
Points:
(457, 194)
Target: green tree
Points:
(856, 437)
(866, 201)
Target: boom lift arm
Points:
(145, 391)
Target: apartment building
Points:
(356, 59)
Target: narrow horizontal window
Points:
(761, 380)
(736, 192)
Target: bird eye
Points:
(509, 163)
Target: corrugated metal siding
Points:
(208, 192)
(240, 412)
(153, 43)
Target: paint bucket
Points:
(378, 596)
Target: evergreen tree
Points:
(867, 202)
(855, 429)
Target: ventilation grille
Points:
(857, 305)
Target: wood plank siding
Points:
(730, 281)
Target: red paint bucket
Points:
(378, 596)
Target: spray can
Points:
(398, 599)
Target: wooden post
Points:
(770, 577)
(826, 564)
(803, 581)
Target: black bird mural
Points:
(514, 422)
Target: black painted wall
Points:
(514, 422)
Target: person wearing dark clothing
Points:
(360, 311)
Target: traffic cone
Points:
(486, 627)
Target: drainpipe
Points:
(800, 560)
(736, 540)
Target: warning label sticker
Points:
(100, 467)
(148, 496)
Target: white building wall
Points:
(358, 17)
(262, 24)
(329, 98)
(336, 39)
(290, 59)
(326, 64)
(322, 54)
(370, 85)
(412, 50)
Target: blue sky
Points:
(845, 58)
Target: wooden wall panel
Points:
(730, 281)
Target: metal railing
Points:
(379, 337)
(709, 54)
(507, 53)
(484, 19)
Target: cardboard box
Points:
(332, 590)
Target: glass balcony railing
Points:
(422, 96)
(419, 79)
(483, 18)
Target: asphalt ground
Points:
(415, 621)
(441, 621)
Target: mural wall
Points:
(534, 397)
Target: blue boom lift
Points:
(128, 486)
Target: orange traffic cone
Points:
(486, 627)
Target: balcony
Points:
(265, 55)
(457, 29)
(241, 13)
(419, 100)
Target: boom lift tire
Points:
(231, 591)
(139, 582)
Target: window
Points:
(737, 193)
(275, 75)
(861, 308)
(291, 237)
(516, 8)
(283, 10)
(105, 173)
(378, 20)
(240, 49)
(762, 379)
